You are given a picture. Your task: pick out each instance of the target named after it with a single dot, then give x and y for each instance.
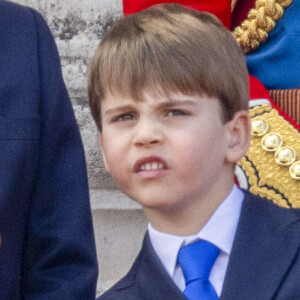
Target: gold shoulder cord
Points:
(259, 22)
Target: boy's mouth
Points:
(151, 166)
(150, 163)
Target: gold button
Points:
(272, 141)
(285, 156)
(259, 127)
(295, 170)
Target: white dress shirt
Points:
(219, 230)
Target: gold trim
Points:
(273, 141)
(267, 178)
(259, 23)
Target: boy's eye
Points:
(175, 112)
(124, 117)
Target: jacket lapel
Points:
(264, 248)
(148, 278)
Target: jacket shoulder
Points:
(271, 212)
(18, 17)
(11, 12)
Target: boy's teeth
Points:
(151, 166)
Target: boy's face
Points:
(166, 152)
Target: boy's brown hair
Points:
(169, 48)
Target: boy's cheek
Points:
(103, 153)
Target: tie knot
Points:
(197, 259)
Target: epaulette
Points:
(271, 167)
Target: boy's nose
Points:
(148, 133)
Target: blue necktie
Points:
(196, 261)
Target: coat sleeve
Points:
(59, 259)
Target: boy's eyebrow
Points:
(165, 104)
(119, 109)
(174, 102)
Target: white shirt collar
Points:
(219, 230)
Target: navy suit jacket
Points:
(47, 246)
(264, 263)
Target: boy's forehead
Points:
(153, 97)
(154, 100)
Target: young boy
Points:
(168, 89)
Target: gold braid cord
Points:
(260, 21)
(265, 174)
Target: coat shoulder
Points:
(272, 214)
(13, 12)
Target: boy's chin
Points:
(159, 205)
(153, 203)
(152, 198)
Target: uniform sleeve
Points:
(59, 254)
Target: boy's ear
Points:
(103, 153)
(239, 130)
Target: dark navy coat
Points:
(264, 263)
(47, 246)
